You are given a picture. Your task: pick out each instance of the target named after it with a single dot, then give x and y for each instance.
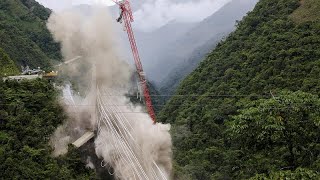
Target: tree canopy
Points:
(7, 66)
(24, 36)
(29, 114)
(269, 52)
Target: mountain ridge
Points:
(178, 51)
(225, 18)
(24, 36)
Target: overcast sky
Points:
(155, 13)
(64, 4)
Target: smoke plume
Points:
(126, 139)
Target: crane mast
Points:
(127, 17)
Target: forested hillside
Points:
(7, 66)
(29, 110)
(23, 33)
(29, 113)
(170, 84)
(201, 40)
(251, 108)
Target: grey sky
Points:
(155, 13)
(64, 4)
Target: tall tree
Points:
(281, 133)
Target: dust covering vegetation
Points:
(29, 114)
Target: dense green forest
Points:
(29, 113)
(7, 66)
(29, 110)
(251, 108)
(24, 36)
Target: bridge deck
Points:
(83, 139)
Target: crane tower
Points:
(127, 17)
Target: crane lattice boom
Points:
(127, 17)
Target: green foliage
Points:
(157, 100)
(277, 133)
(37, 9)
(298, 174)
(29, 114)
(29, 110)
(23, 33)
(308, 11)
(267, 52)
(7, 66)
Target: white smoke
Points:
(149, 144)
(89, 163)
(59, 5)
(125, 133)
(79, 121)
(152, 14)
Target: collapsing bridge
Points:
(126, 16)
(117, 139)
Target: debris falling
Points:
(126, 138)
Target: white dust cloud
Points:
(126, 138)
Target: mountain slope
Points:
(152, 44)
(169, 85)
(23, 33)
(219, 22)
(29, 114)
(7, 66)
(29, 109)
(212, 28)
(267, 54)
(308, 11)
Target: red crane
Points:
(127, 17)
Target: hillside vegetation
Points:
(251, 108)
(7, 66)
(308, 11)
(23, 33)
(29, 110)
(29, 114)
(174, 60)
